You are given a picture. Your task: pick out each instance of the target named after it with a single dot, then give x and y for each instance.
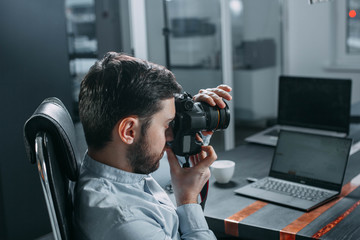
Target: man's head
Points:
(119, 86)
(144, 153)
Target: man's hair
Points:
(119, 86)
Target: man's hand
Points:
(188, 182)
(214, 96)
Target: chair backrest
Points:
(50, 142)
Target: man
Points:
(126, 106)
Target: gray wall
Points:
(308, 32)
(33, 66)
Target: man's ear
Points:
(128, 128)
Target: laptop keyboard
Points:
(294, 190)
(274, 133)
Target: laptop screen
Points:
(315, 103)
(308, 157)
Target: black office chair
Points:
(50, 142)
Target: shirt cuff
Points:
(191, 218)
(206, 139)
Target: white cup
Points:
(223, 170)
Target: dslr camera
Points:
(191, 118)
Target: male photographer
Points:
(126, 106)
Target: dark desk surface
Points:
(247, 218)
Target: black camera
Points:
(192, 118)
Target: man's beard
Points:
(141, 160)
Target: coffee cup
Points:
(222, 170)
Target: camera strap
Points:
(203, 195)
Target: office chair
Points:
(50, 142)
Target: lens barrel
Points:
(216, 118)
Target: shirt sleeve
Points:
(192, 223)
(193, 226)
(135, 230)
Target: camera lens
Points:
(216, 118)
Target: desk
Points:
(247, 218)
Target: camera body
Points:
(192, 118)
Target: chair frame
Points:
(40, 151)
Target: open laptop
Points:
(307, 170)
(308, 104)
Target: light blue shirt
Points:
(114, 204)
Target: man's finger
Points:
(173, 161)
(221, 93)
(198, 138)
(225, 87)
(217, 96)
(210, 156)
(211, 98)
(203, 97)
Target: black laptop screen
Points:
(311, 157)
(315, 103)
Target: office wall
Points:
(33, 66)
(308, 32)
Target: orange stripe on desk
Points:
(290, 231)
(231, 223)
(331, 225)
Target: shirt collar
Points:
(114, 174)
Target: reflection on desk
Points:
(229, 214)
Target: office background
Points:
(41, 56)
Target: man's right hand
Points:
(188, 182)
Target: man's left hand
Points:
(213, 97)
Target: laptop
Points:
(307, 170)
(310, 104)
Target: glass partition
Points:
(193, 35)
(353, 27)
(256, 40)
(82, 42)
(186, 36)
(194, 42)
